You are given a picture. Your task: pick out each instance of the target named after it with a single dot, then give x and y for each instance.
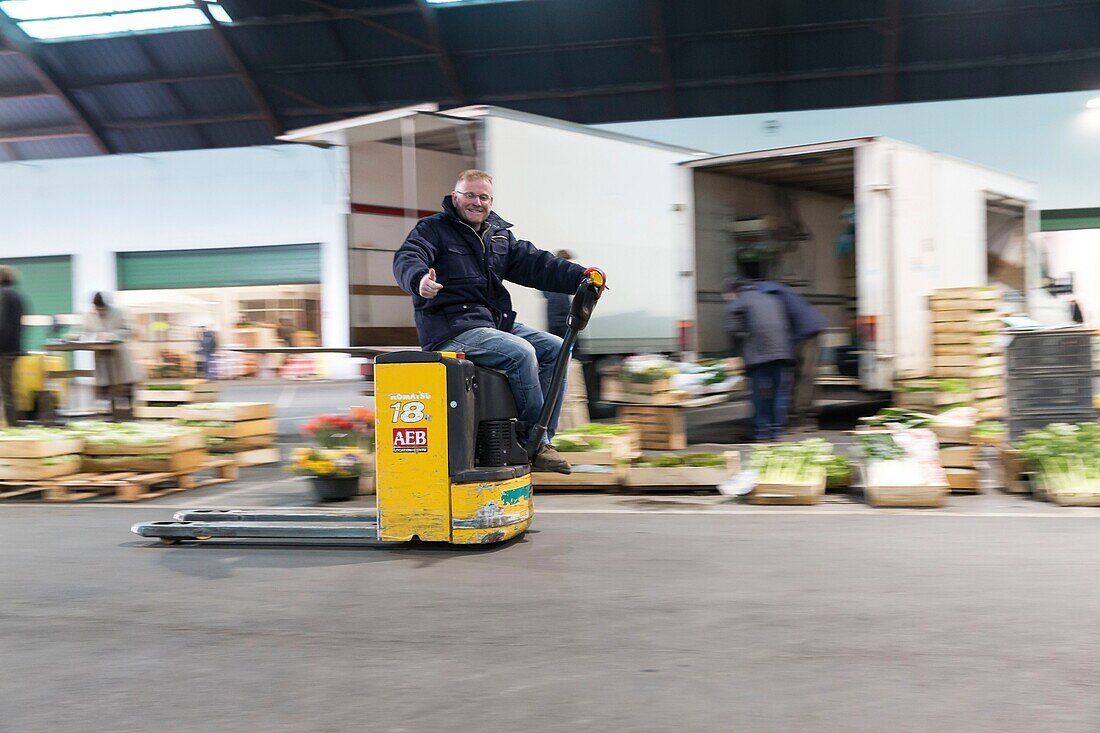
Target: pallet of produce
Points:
(900, 468)
(681, 470)
(137, 446)
(178, 391)
(583, 477)
(36, 469)
(38, 442)
(1066, 461)
(227, 411)
(930, 394)
(138, 486)
(647, 380)
(969, 298)
(626, 436)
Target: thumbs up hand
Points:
(429, 288)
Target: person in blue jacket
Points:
(454, 265)
(806, 325)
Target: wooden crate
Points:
(959, 456)
(181, 461)
(179, 396)
(191, 440)
(257, 457)
(156, 412)
(579, 479)
(957, 434)
(676, 476)
(788, 494)
(31, 448)
(962, 479)
(1016, 471)
(981, 293)
(970, 361)
(1072, 498)
(239, 445)
(659, 428)
(967, 348)
(230, 412)
(35, 469)
(906, 496)
(659, 392)
(969, 372)
(236, 430)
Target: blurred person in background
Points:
(454, 265)
(116, 371)
(1075, 313)
(11, 338)
(285, 332)
(806, 325)
(759, 332)
(208, 344)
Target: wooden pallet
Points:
(659, 428)
(122, 485)
(682, 476)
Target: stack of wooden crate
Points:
(180, 453)
(966, 326)
(659, 427)
(27, 456)
(245, 430)
(162, 399)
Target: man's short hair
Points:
(564, 254)
(99, 301)
(7, 275)
(473, 174)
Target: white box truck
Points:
(864, 228)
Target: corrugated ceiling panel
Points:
(153, 139)
(136, 101)
(14, 73)
(95, 59)
(215, 96)
(285, 44)
(415, 82)
(42, 112)
(238, 134)
(69, 147)
(179, 54)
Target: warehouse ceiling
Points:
(240, 72)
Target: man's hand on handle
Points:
(429, 288)
(598, 278)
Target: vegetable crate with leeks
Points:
(795, 473)
(1066, 463)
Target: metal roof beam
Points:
(13, 39)
(39, 134)
(891, 39)
(152, 80)
(184, 122)
(446, 65)
(659, 46)
(304, 18)
(155, 66)
(249, 81)
(15, 95)
(343, 14)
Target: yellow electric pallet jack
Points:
(450, 461)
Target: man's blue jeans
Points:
(526, 356)
(771, 394)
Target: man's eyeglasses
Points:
(470, 196)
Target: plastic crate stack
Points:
(966, 331)
(1049, 379)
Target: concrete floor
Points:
(654, 612)
(648, 621)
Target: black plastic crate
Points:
(1021, 423)
(1050, 350)
(1042, 391)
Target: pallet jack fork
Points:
(462, 478)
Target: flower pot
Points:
(335, 489)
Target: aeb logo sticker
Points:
(410, 440)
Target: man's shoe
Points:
(548, 459)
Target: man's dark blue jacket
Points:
(806, 322)
(471, 269)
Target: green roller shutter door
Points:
(284, 264)
(47, 287)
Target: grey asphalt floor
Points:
(603, 622)
(616, 612)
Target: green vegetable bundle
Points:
(803, 462)
(693, 460)
(898, 416)
(1065, 457)
(880, 447)
(573, 443)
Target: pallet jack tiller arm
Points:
(580, 310)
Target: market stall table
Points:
(103, 350)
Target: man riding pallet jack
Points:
(456, 439)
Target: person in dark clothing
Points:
(11, 339)
(557, 304)
(454, 265)
(759, 332)
(1075, 313)
(208, 344)
(806, 326)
